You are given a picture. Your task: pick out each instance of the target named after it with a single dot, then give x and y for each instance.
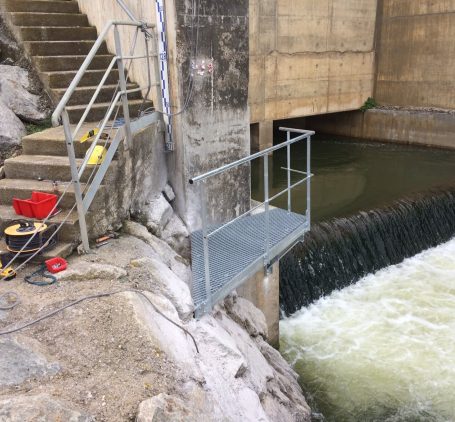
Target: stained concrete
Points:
(419, 127)
(416, 54)
(310, 57)
(264, 292)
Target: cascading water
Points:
(382, 349)
(337, 253)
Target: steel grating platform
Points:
(236, 251)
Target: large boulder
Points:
(14, 93)
(176, 235)
(166, 408)
(11, 130)
(92, 271)
(40, 407)
(20, 362)
(157, 214)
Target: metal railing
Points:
(119, 99)
(267, 234)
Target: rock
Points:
(91, 271)
(165, 282)
(169, 338)
(246, 315)
(175, 262)
(11, 129)
(157, 214)
(14, 85)
(2, 172)
(40, 407)
(19, 362)
(168, 193)
(165, 408)
(176, 235)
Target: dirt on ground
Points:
(108, 363)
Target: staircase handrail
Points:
(57, 114)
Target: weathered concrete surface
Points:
(264, 292)
(310, 57)
(214, 129)
(430, 128)
(416, 54)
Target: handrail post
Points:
(288, 153)
(122, 82)
(308, 183)
(266, 211)
(75, 181)
(205, 241)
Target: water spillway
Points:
(382, 349)
(337, 253)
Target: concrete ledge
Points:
(409, 126)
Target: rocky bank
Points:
(139, 354)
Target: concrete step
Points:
(57, 33)
(47, 167)
(69, 231)
(48, 19)
(61, 48)
(47, 6)
(98, 111)
(23, 188)
(70, 62)
(91, 78)
(83, 94)
(52, 142)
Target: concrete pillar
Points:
(209, 65)
(261, 135)
(264, 292)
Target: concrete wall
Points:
(416, 56)
(100, 12)
(209, 81)
(436, 129)
(310, 57)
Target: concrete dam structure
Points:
(227, 211)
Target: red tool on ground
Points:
(55, 265)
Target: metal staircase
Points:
(97, 94)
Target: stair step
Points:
(23, 188)
(68, 232)
(52, 142)
(57, 33)
(82, 95)
(98, 111)
(47, 167)
(91, 78)
(48, 19)
(61, 48)
(40, 6)
(71, 62)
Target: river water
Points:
(351, 176)
(382, 349)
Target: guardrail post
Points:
(122, 82)
(75, 181)
(288, 153)
(308, 183)
(266, 211)
(205, 241)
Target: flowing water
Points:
(351, 176)
(382, 349)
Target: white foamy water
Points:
(384, 348)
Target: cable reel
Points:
(17, 236)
